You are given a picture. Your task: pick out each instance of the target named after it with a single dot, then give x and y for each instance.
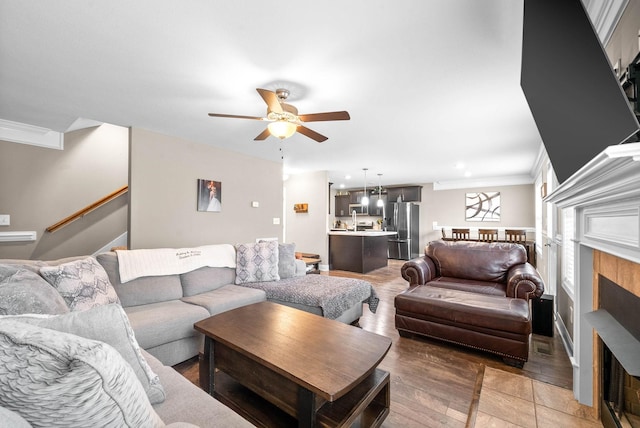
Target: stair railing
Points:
(86, 210)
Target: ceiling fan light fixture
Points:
(282, 129)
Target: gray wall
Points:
(447, 207)
(163, 194)
(308, 230)
(40, 187)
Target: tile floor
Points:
(511, 400)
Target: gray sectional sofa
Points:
(161, 311)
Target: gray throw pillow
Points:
(25, 292)
(108, 324)
(257, 262)
(82, 284)
(286, 260)
(57, 379)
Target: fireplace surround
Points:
(605, 195)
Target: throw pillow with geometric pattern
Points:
(257, 262)
(82, 284)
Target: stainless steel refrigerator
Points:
(405, 220)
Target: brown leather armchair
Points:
(471, 293)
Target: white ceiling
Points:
(428, 83)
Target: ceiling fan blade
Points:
(263, 135)
(271, 99)
(235, 116)
(320, 117)
(311, 134)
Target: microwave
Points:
(359, 209)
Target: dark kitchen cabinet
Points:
(342, 205)
(405, 193)
(374, 209)
(355, 196)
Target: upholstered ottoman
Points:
(495, 324)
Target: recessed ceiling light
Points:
(467, 174)
(347, 177)
(459, 165)
(342, 185)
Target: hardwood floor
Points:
(434, 383)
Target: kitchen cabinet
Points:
(405, 193)
(342, 205)
(374, 209)
(359, 252)
(355, 196)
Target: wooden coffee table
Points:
(279, 366)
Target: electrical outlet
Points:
(5, 219)
(276, 220)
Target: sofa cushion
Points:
(158, 323)
(206, 279)
(23, 291)
(57, 379)
(188, 403)
(226, 298)
(257, 262)
(82, 284)
(490, 288)
(108, 324)
(140, 291)
(286, 260)
(475, 260)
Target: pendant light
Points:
(365, 198)
(380, 203)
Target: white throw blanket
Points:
(170, 261)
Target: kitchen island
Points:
(359, 252)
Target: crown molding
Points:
(510, 180)
(23, 133)
(604, 15)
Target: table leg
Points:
(306, 408)
(210, 362)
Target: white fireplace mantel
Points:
(606, 196)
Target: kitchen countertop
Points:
(361, 233)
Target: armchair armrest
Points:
(418, 271)
(524, 282)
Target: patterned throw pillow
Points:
(257, 262)
(108, 324)
(57, 379)
(25, 292)
(82, 284)
(286, 260)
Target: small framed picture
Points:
(301, 208)
(209, 195)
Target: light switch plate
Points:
(255, 204)
(5, 219)
(276, 220)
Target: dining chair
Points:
(460, 234)
(487, 235)
(515, 235)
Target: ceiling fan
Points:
(284, 118)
